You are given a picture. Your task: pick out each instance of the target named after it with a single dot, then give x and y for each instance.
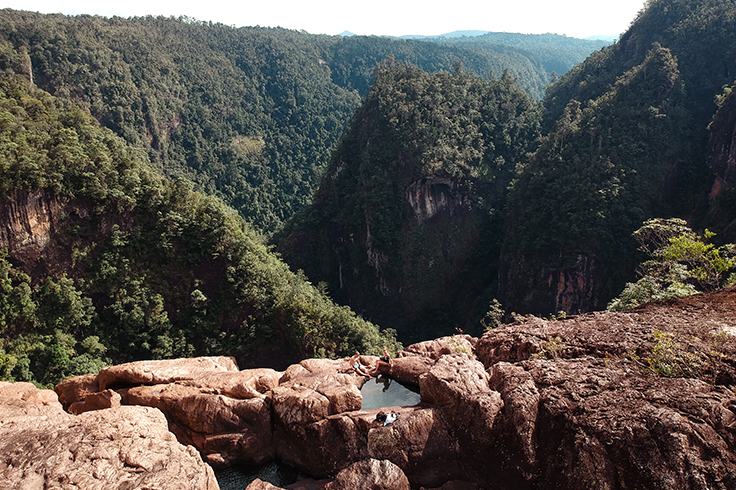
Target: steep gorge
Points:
(543, 224)
(407, 216)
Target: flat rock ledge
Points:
(536, 404)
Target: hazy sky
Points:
(576, 18)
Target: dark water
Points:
(377, 393)
(238, 477)
(384, 392)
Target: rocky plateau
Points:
(635, 400)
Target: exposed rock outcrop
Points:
(370, 474)
(163, 372)
(721, 159)
(571, 403)
(562, 281)
(432, 195)
(41, 446)
(28, 219)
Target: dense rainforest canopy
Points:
(410, 211)
(626, 141)
(250, 115)
(137, 266)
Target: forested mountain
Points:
(624, 137)
(103, 260)
(250, 115)
(443, 188)
(549, 53)
(627, 134)
(409, 216)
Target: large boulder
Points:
(27, 392)
(313, 389)
(223, 412)
(370, 474)
(224, 429)
(453, 379)
(316, 416)
(417, 359)
(434, 349)
(162, 372)
(408, 369)
(76, 389)
(587, 401)
(96, 401)
(596, 425)
(421, 443)
(125, 447)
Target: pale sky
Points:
(575, 18)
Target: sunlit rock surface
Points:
(41, 446)
(536, 404)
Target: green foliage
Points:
(674, 357)
(548, 53)
(668, 358)
(62, 306)
(17, 308)
(251, 115)
(597, 175)
(681, 264)
(625, 141)
(152, 268)
(549, 349)
(494, 316)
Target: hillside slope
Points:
(251, 115)
(103, 260)
(624, 139)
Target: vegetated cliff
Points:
(721, 159)
(636, 399)
(405, 225)
(103, 260)
(600, 172)
(626, 142)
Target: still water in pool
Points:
(377, 393)
(384, 392)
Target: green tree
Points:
(681, 264)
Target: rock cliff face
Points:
(565, 282)
(432, 195)
(27, 225)
(30, 225)
(28, 219)
(583, 402)
(408, 263)
(721, 159)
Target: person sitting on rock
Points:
(358, 367)
(383, 365)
